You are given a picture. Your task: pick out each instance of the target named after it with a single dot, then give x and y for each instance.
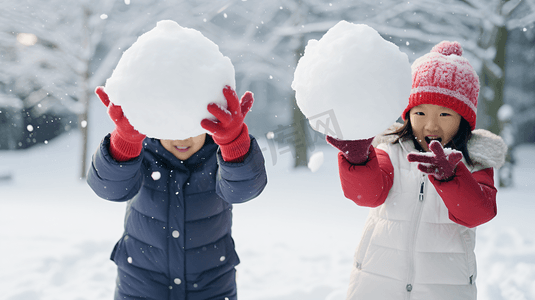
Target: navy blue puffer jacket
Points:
(177, 242)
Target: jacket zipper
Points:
(412, 242)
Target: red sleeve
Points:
(469, 197)
(367, 185)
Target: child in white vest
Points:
(429, 183)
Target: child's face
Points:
(433, 122)
(184, 149)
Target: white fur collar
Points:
(486, 148)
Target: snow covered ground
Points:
(295, 241)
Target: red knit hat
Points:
(443, 77)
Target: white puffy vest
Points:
(410, 249)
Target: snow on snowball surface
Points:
(166, 79)
(353, 73)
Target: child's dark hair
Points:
(459, 141)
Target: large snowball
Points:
(355, 77)
(165, 80)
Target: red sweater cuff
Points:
(236, 150)
(367, 185)
(123, 150)
(469, 197)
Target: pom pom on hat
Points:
(443, 77)
(448, 48)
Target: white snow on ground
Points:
(296, 241)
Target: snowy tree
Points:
(31, 75)
(77, 45)
(520, 84)
(271, 37)
(517, 115)
(55, 71)
(278, 31)
(483, 27)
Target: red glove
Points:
(229, 131)
(440, 165)
(355, 151)
(125, 141)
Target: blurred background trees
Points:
(54, 53)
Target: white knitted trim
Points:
(443, 91)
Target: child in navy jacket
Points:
(177, 241)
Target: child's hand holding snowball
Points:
(228, 130)
(125, 141)
(355, 151)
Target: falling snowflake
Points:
(156, 175)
